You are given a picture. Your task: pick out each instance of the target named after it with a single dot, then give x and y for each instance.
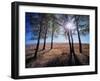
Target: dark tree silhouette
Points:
(77, 28)
(72, 43)
(52, 35)
(53, 27)
(39, 36)
(69, 42)
(44, 44)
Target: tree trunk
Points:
(44, 44)
(52, 36)
(69, 42)
(38, 42)
(72, 43)
(80, 44)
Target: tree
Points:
(44, 44)
(61, 20)
(77, 28)
(82, 27)
(44, 29)
(53, 27)
(36, 27)
(69, 26)
(38, 42)
(72, 44)
(69, 41)
(52, 35)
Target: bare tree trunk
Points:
(38, 42)
(69, 42)
(52, 35)
(72, 43)
(80, 44)
(44, 44)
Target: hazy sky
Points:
(59, 39)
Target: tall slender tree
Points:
(77, 28)
(69, 42)
(52, 35)
(45, 35)
(72, 43)
(61, 21)
(82, 27)
(39, 36)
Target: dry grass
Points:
(58, 56)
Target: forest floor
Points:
(58, 56)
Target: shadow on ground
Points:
(50, 58)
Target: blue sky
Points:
(59, 39)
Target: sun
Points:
(70, 26)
